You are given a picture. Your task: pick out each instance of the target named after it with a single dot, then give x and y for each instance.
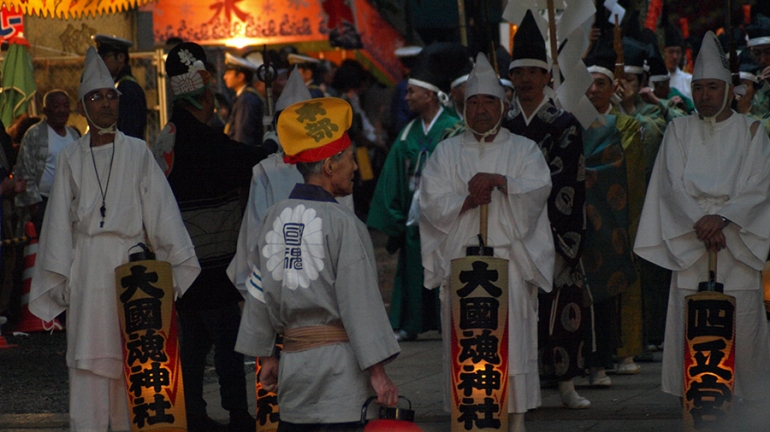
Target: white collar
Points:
(426, 129)
(534, 113)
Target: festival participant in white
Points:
(108, 195)
(489, 165)
(709, 191)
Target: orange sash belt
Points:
(305, 338)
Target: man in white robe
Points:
(315, 282)
(108, 194)
(489, 165)
(709, 191)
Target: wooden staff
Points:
(620, 63)
(554, 44)
(463, 25)
(734, 63)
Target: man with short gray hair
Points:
(37, 155)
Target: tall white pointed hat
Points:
(95, 75)
(483, 80)
(712, 61)
(293, 92)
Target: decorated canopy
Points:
(73, 8)
(320, 25)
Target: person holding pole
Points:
(708, 192)
(488, 165)
(560, 137)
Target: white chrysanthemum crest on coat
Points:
(294, 247)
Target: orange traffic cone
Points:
(28, 322)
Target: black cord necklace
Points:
(103, 208)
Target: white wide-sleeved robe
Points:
(76, 259)
(704, 170)
(272, 180)
(518, 230)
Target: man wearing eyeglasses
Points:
(133, 103)
(759, 45)
(108, 194)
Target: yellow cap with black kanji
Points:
(315, 129)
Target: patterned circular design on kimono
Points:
(616, 197)
(612, 154)
(594, 217)
(570, 317)
(294, 247)
(560, 361)
(565, 200)
(620, 240)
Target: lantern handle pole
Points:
(483, 223)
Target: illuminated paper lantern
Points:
(479, 296)
(152, 364)
(268, 413)
(709, 360)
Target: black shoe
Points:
(204, 423)
(241, 421)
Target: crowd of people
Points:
(262, 206)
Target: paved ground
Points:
(633, 404)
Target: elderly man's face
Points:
(708, 95)
(417, 98)
(601, 91)
(102, 106)
(57, 109)
(343, 173)
(483, 112)
(529, 82)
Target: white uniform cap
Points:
(294, 91)
(95, 75)
(711, 62)
(407, 51)
(301, 59)
(483, 80)
(255, 57)
(233, 62)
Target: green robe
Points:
(614, 198)
(687, 101)
(412, 308)
(760, 106)
(653, 121)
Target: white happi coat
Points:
(518, 229)
(704, 170)
(76, 259)
(335, 283)
(272, 180)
